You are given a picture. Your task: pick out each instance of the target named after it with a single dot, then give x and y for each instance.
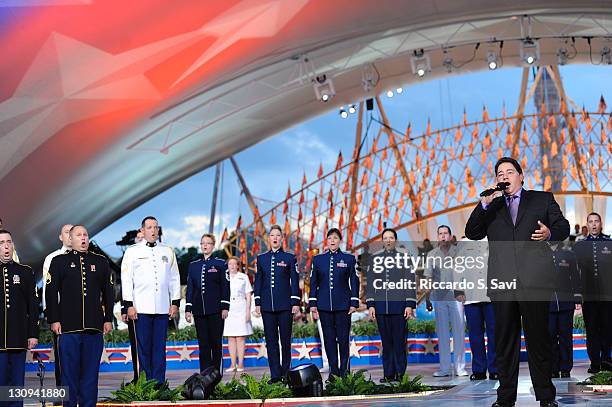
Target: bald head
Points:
(79, 238)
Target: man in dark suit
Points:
(518, 224)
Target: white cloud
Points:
(308, 148)
(191, 229)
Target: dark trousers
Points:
(210, 340)
(80, 357)
(133, 348)
(480, 318)
(597, 322)
(12, 372)
(508, 347)
(151, 331)
(336, 327)
(278, 325)
(561, 327)
(57, 364)
(392, 328)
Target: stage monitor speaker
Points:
(305, 380)
(199, 386)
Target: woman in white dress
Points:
(238, 323)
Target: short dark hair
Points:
(385, 230)
(335, 231)
(450, 232)
(146, 219)
(510, 160)
(6, 232)
(594, 214)
(276, 227)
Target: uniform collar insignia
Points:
(149, 244)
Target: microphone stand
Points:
(40, 374)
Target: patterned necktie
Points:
(513, 204)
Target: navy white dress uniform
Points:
(594, 255)
(80, 296)
(276, 292)
(389, 306)
(208, 294)
(150, 282)
(334, 288)
(46, 266)
(562, 305)
(19, 315)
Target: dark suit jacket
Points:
(512, 253)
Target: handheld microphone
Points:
(501, 186)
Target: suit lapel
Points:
(522, 206)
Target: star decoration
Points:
(104, 358)
(262, 351)
(304, 351)
(354, 350)
(184, 353)
(429, 347)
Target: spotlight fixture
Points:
(562, 56)
(492, 60)
(447, 62)
(389, 93)
(369, 78)
(305, 380)
(530, 51)
(606, 56)
(324, 88)
(399, 90)
(352, 109)
(343, 113)
(421, 63)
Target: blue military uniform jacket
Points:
(334, 284)
(594, 255)
(208, 287)
(568, 281)
(384, 300)
(277, 281)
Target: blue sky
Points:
(271, 165)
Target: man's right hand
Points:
(315, 312)
(188, 317)
(132, 314)
(372, 312)
(258, 310)
(56, 327)
(486, 200)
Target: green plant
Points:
(117, 336)
(232, 390)
(352, 383)
(408, 385)
(145, 390)
(417, 326)
(308, 330)
(365, 328)
(602, 378)
(184, 334)
(45, 337)
(258, 333)
(579, 323)
(262, 390)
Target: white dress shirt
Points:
(46, 265)
(150, 278)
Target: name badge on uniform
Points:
(165, 259)
(281, 264)
(93, 268)
(72, 265)
(16, 279)
(212, 269)
(606, 250)
(341, 264)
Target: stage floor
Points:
(465, 392)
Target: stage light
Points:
(324, 88)
(389, 93)
(448, 63)
(200, 386)
(369, 78)
(606, 56)
(352, 109)
(421, 63)
(343, 113)
(530, 51)
(305, 380)
(562, 56)
(492, 60)
(399, 90)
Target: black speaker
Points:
(369, 104)
(305, 380)
(199, 386)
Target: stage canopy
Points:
(104, 104)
